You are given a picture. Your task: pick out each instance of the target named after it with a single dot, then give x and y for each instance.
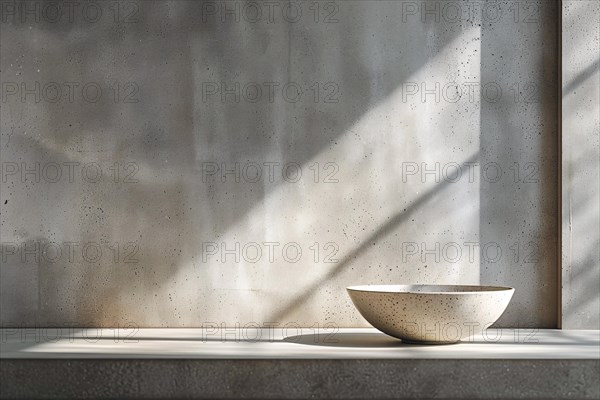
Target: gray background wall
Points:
(580, 164)
(402, 91)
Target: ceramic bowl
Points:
(431, 314)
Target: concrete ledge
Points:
(291, 343)
(360, 364)
(300, 379)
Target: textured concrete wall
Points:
(580, 165)
(244, 163)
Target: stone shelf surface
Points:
(294, 364)
(292, 343)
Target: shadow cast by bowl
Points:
(356, 340)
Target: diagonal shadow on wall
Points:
(381, 232)
(519, 133)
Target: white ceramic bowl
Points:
(431, 314)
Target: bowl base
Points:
(427, 342)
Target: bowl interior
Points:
(453, 289)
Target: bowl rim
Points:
(386, 289)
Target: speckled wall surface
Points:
(173, 163)
(580, 165)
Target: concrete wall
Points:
(580, 169)
(397, 142)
